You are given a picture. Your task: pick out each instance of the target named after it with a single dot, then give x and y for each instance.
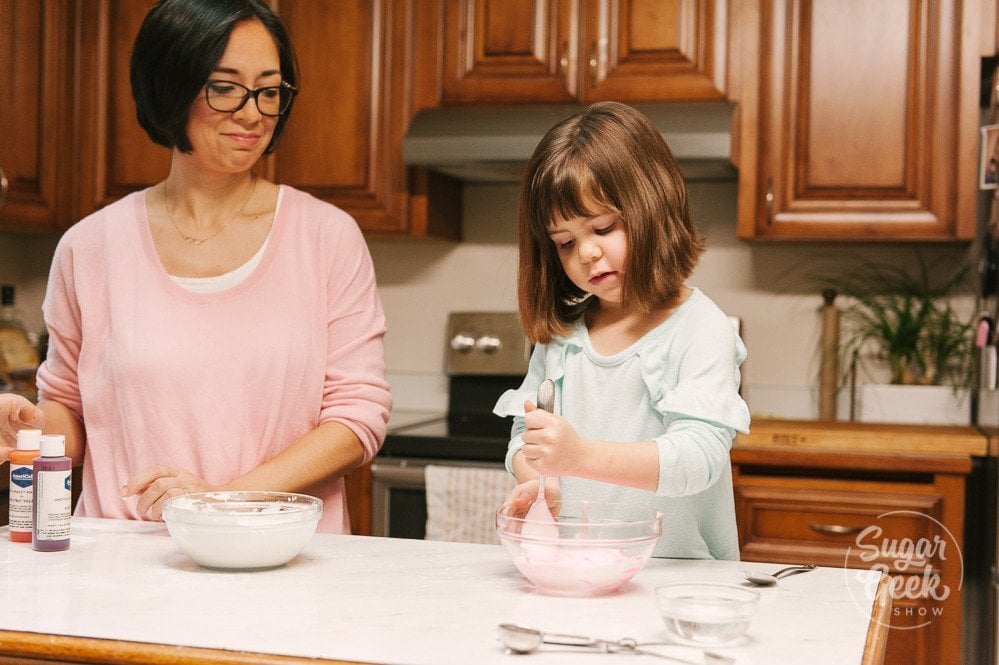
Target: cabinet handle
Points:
(770, 201)
(3, 187)
(835, 529)
(594, 62)
(564, 65)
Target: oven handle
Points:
(403, 474)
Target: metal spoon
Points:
(540, 521)
(762, 579)
(521, 640)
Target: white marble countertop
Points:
(381, 600)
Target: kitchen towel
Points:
(462, 502)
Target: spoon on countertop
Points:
(539, 521)
(521, 640)
(762, 579)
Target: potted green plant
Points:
(907, 321)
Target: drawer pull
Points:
(835, 529)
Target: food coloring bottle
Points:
(53, 496)
(21, 486)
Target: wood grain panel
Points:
(34, 134)
(116, 156)
(858, 120)
(337, 98)
(846, 144)
(498, 51)
(643, 50)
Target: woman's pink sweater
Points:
(214, 383)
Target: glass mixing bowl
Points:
(706, 615)
(598, 548)
(243, 530)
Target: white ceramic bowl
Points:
(243, 530)
(706, 615)
(599, 546)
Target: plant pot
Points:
(920, 405)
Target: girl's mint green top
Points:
(679, 386)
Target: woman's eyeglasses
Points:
(229, 97)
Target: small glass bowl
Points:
(706, 615)
(598, 547)
(242, 530)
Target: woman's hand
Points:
(523, 495)
(16, 413)
(157, 484)
(551, 445)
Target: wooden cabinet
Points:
(344, 141)
(342, 144)
(899, 513)
(114, 156)
(512, 51)
(35, 81)
(359, 499)
(859, 119)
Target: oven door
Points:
(399, 497)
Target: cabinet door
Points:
(343, 142)
(859, 120)
(501, 51)
(653, 50)
(116, 156)
(34, 123)
(536, 51)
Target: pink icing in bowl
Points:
(600, 546)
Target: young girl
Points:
(646, 368)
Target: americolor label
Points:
(21, 489)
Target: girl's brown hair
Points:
(606, 158)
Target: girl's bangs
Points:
(575, 193)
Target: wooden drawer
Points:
(810, 506)
(837, 523)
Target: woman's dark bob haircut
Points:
(178, 47)
(608, 158)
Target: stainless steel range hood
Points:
(493, 143)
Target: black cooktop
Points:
(438, 439)
(470, 430)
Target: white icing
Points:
(238, 530)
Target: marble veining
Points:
(382, 600)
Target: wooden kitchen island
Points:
(869, 496)
(123, 593)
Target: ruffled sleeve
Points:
(693, 383)
(705, 385)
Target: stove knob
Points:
(463, 342)
(488, 344)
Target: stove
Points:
(487, 353)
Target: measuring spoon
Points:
(762, 579)
(521, 640)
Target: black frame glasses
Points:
(284, 92)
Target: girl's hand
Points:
(16, 413)
(551, 445)
(523, 495)
(157, 484)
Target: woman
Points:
(216, 331)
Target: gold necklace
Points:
(191, 240)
